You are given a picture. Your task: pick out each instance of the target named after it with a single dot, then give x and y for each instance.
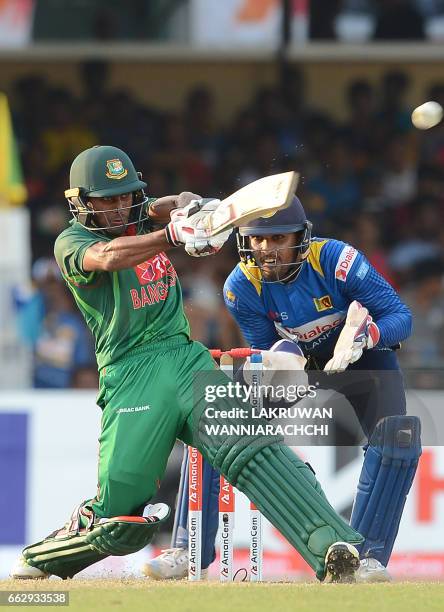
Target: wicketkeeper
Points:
(337, 313)
(114, 261)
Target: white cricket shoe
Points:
(341, 563)
(23, 571)
(371, 570)
(171, 564)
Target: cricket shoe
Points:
(23, 571)
(171, 564)
(341, 563)
(371, 570)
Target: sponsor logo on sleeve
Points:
(323, 303)
(345, 262)
(231, 299)
(362, 271)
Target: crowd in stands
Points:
(372, 180)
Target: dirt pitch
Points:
(140, 594)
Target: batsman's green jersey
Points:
(123, 309)
(146, 362)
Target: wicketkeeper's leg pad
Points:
(70, 550)
(387, 474)
(285, 490)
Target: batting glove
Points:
(359, 332)
(187, 229)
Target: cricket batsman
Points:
(336, 312)
(114, 261)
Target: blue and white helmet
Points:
(291, 220)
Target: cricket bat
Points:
(260, 198)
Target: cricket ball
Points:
(427, 115)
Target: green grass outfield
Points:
(141, 594)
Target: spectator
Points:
(48, 217)
(336, 184)
(421, 242)
(185, 168)
(95, 76)
(367, 237)
(360, 129)
(50, 325)
(264, 159)
(201, 124)
(399, 175)
(30, 107)
(65, 135)
(393, 114)
(425, 297)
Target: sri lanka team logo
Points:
(115, 169)
(323, 303)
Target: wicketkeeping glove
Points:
(186, 228)
(359, 333)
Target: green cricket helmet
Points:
(104, 172)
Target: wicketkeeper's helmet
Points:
(288, 221)
(104, 171)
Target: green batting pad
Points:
(279, 483)
(66, 555)
(63, 557)
(287, 493)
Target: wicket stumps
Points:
(194, 514)
(227, 498)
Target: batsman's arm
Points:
(159, 210)
(124, 252)
(128, 251)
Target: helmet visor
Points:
(114, 220)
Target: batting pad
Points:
(287, 493)
(67, 553)
(387, 474)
